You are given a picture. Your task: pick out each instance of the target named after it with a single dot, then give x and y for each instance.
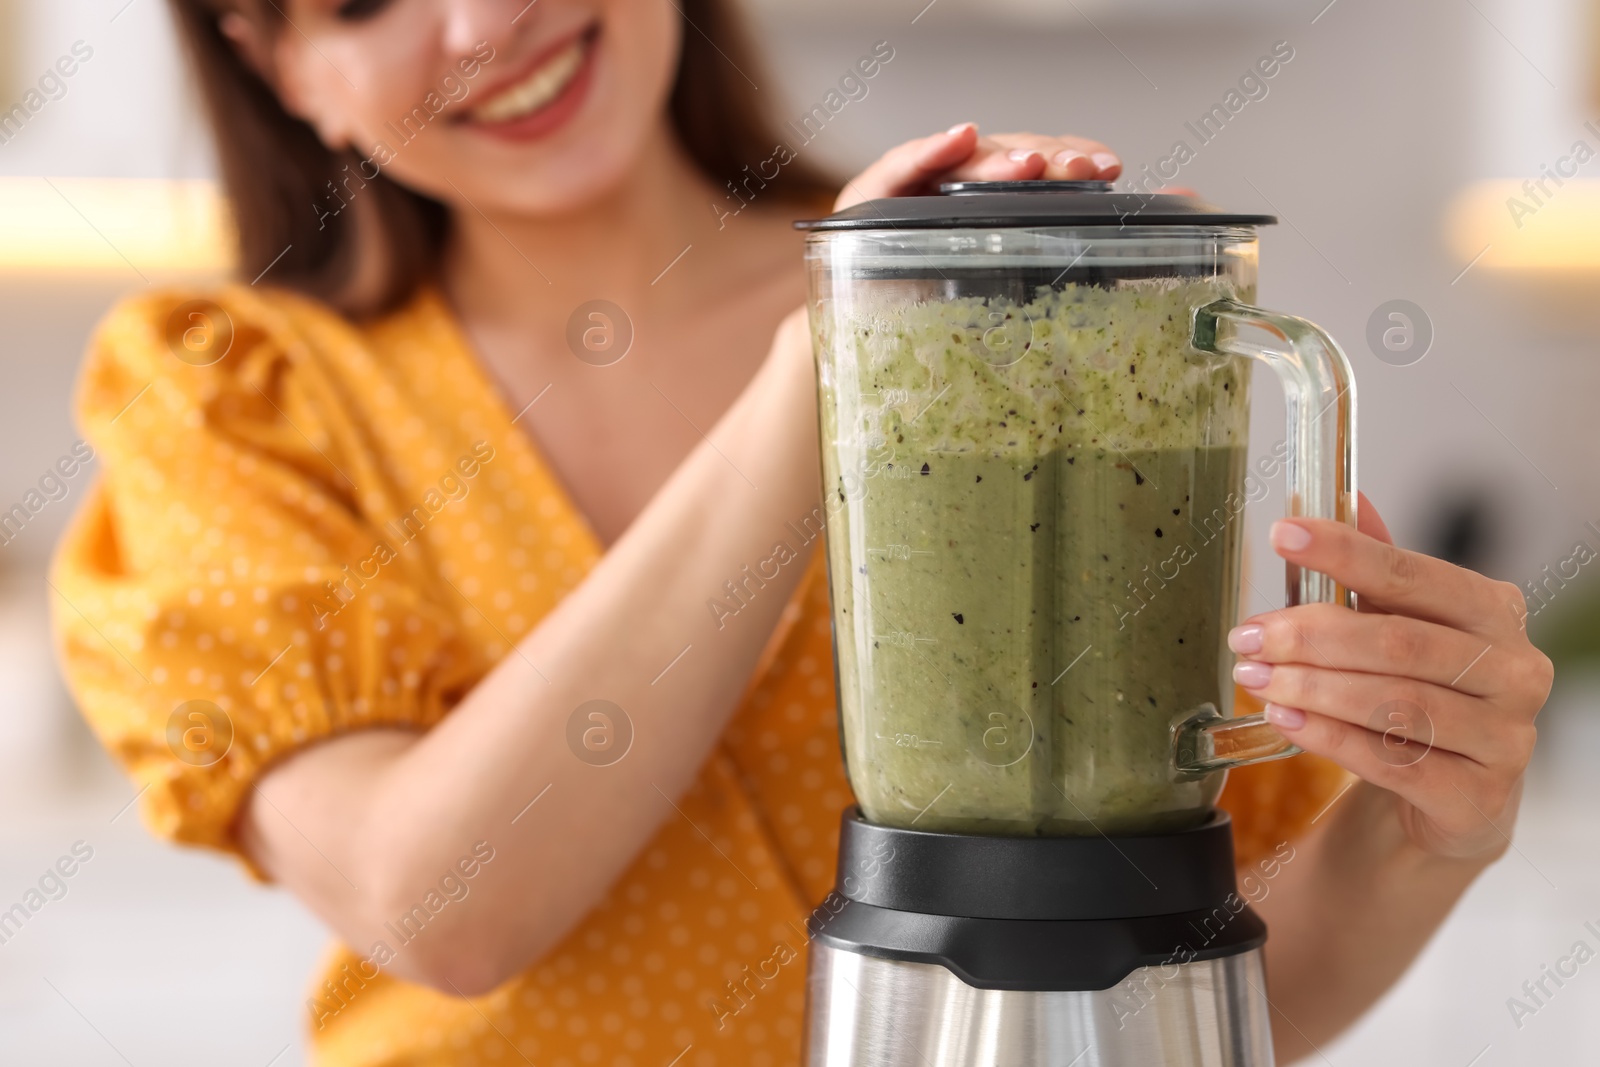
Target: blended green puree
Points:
(1036, 582)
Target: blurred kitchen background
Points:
(1388, 145)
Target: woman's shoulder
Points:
(202, 327)
(197, 344)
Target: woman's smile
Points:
(545, 95)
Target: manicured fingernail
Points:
(1248, 639)
(1105, 160)
(960, 127)
(1252, 675)
(1022, 155)
(1289, 536)
(1285, 718)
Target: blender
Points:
(1034, 405)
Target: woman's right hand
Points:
(961, 154)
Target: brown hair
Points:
(277, 172)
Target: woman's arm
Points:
(1348, 914)
(361, 827)
(1429, 694)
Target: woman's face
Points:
(495, 105)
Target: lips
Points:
(544, 95)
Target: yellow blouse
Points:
(306, 526)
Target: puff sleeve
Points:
(224, 596)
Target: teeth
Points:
(536, 90)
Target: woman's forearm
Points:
(1348, 914)
(390, 812)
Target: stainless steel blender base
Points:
(863, 1011)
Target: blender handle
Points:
(1320, 474)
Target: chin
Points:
(536, 182)
(565, 191)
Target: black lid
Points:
(986, 205)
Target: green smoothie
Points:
(1035, 585)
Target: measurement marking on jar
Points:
(901, 551)
(903, 639)
(907, 740)
(1073, 664)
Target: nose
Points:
(469, 23)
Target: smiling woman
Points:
(451, 699)
(280, 168)
(545, 95)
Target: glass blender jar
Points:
(1034, 402)
(1034, 405)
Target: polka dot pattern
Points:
(234, 551)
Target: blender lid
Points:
(986, 205)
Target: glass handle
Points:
(1319, 474)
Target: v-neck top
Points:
(304, 526)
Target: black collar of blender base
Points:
(1037, 878)
(1005, 205)
(1042, 956)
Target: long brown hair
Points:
(277, 172)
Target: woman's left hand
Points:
(1429, 691)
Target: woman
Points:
(379, 528)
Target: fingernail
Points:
(1285, 718)
(1252, 675)
(1022, 155)
(1105, 160)
(1066, 156)
(1289, 536)
(959, 127)
(1248, 639)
